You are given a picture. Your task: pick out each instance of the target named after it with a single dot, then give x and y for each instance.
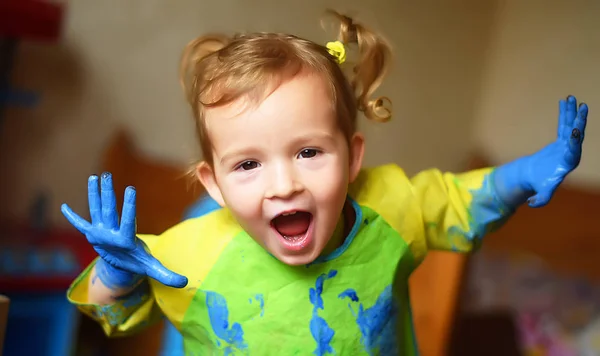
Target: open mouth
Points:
(294, 228)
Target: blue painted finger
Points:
(77, 221)
(581, 119)
(571, 113)
(128, 216)
(575, 145)
(539, 200)
(94, 200)
(110, 218)
(160, 273)
(578, 134)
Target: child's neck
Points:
(342, 229)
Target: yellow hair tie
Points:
(338, 50)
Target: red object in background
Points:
(72, 245)
(31, 20)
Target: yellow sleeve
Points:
(458, 210)
(127, 316)
(387, 190)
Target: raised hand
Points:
(535, 178)
(124, 257)
(549, 166)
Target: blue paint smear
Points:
(261, 300)
(486, 213)
(319, 328)
(218, 313)
(349, 293)
(376, 323)
(136, 297)
(118, 312)
(114, 316)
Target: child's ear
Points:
(206, 176)
(357, 151)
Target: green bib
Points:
(344, 304)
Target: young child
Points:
(311, 253)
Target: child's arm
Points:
(458, 210)
(124, 258)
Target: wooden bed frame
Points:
(562, 233)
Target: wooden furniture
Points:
(164, 190)
(163, 194)
(434, 290)
(4, 304)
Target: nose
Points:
(284, 182)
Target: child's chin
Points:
(297, 259)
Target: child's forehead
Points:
(306, 96)
(295, 111)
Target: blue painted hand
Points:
(124, 257)
(535, 178)
(548, 167)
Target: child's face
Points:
(283, 167)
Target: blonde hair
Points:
(217, 70)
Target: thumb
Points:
(165, 276)
(77, 221)
(575, 147)
(540, 199)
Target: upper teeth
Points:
(286, 214)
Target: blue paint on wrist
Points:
(510, 182)
(486, 213)
(115, 278)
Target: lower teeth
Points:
(293, 238)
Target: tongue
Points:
(292, 225)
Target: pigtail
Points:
(370, 69)
(191, 68)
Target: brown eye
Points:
(308, 153)
(248, 165)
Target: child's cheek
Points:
(314, 164)
(244, 197)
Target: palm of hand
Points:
(548, 167)
(118, 245)
(126, 257)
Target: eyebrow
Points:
(314, 136)
(246, 152)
